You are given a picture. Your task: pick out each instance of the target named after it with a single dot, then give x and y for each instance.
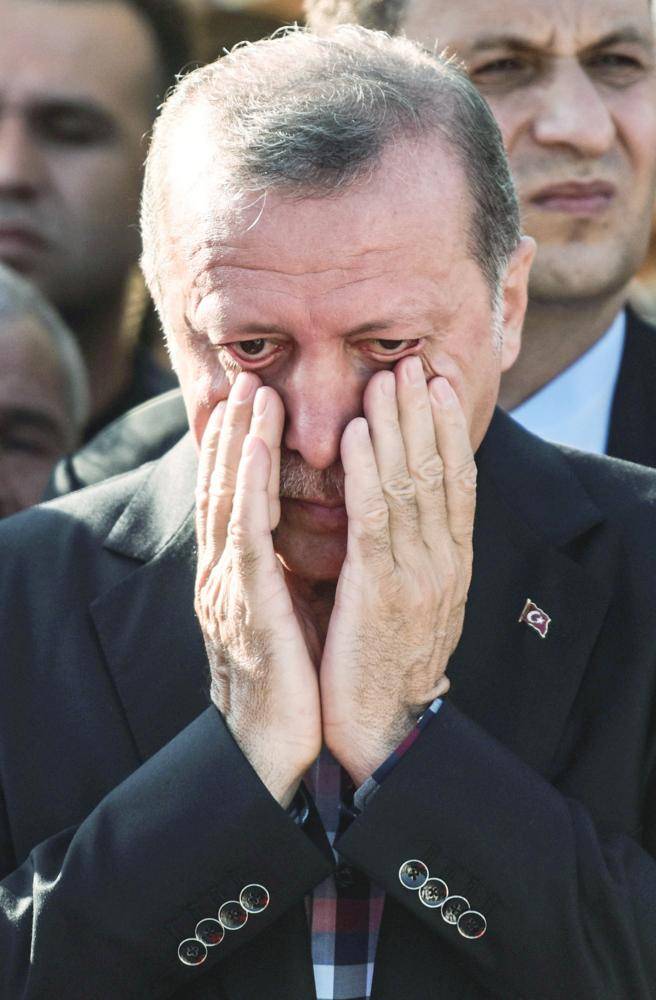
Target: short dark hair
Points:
(170, 24)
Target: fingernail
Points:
(387, 384)
(442, 392)
(243, 388)
(259, 403)
(414, 371)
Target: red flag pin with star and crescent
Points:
(535, 618)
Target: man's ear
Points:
(515, 298)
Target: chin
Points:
(317, 558)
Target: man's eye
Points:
(616, 65)
(25, 445)
(499, 68)
(72, 128)
(392, 346)
(259, 349)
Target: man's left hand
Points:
(410, 492)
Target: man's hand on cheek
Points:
(263, 680)
(410, 497)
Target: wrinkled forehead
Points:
(414, 200)
(552, 25)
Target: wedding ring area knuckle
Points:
(374, 518)
(467, 476)
(400, 492)
(429, 472)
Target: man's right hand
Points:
(263, 680)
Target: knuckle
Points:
(466, 476)
(428, 471)
(223, 481)
(400, 491)
(373, 520)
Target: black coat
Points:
(128, 813)
(632, 433)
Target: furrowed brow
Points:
(623, 36)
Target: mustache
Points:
(299, 481)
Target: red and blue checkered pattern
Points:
(346, 911)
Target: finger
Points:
(250, 526)
(236, 421)
(381, 411)
(369, 540)
(267, 424)
(454, 446)
(422, 456)
(208, 450)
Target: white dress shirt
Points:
(575, 407)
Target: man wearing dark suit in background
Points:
(572, 87)
(80, 81)
(332, 238)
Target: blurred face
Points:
(317, 295)
(572, 85)
(34, 421)
(77, 86)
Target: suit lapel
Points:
(146, 623)
(532, 508)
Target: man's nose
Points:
(21, 163)
(318, 408)
(573, 113)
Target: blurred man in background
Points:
(44, 398)
(572, 86)
(80, 82)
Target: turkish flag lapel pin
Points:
(535, 618)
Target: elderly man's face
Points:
(77, 88)
(315, 296)
(35, 427)
(571, 83)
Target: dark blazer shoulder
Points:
(632, 431)
(618, 486)
(141, 435)
(86, 515)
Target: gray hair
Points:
(20, 300)
(310, 115)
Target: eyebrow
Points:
(629, 34)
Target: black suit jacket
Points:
(128, 813)
(632, 432)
